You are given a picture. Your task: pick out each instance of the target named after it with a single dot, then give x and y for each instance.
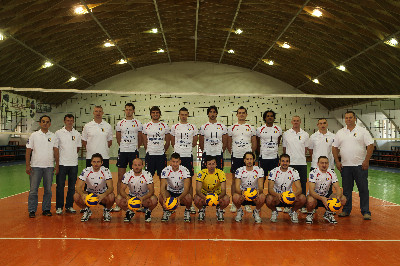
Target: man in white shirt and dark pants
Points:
(320, 144)
(355, 145)
(69, 142)
(42, 145)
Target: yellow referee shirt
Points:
(211, 183)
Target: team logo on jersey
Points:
(355, 134)
(275, 131)
(141, 182)
(199, 175)
(247, 129)
(255, 176)
(181, 177)
(289, 177)
(326, 140)
(49, 139)
(270, 174)
(73, 137)
(102, 129)
(133, 125)
(299, 137)
(101, 177)
(27, 142)
(327, 179)
(311, 176)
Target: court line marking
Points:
(201, 239)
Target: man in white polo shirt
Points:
(355, 145)
(320, 144)
(97, 137)
(69, 142)
(295, 144)
(42, 145)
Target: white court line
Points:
(14, 195)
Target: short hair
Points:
(210, 158)
(284, 155)
(97, 155)
(69, 116)
(266, 112)
(322, 157)
(249, 152)
(183, 109)
(241, 107)
(175, 155)
(322, 118)
(130, 105)
(154, 109)
(211, 108)
(43, 116)
(350, 112)
(99, 106)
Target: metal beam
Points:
(195, 33)
(280, 35)
(230, 31)
(162, 30)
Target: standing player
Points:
(282, 179)
(320, 144)
(99, 181)
(69, 142)
(42, 145)
(213, 139)
(319, 183)
(183, 139)
(211, 180)
(249, 176)
(176, 182)
(97, 137)
(295, 144)
(140, 184)
(129, 139)
(242, 139)
(156, 141)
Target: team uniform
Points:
(241, 143)
(137, 184)
(211, 183)
(128, 148)
(96, 182)
(283, 180)
(155, 153)
(249, 179)
(321, 144)
(175, 179)
(184, 134)
(269, 137)
(213, 133)
(323, 182)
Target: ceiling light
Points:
(238, 31)
(47, 64)
(80, 10)
(392, 42)
(316, 81)
(155, 30)
(2, 37)
(269, 62)
(341, 68)
(285, 45)
(316, 13)
(72, 78)
(108, 44)
(159, 51)
(122, 61)
(231, 51)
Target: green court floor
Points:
(382, 184)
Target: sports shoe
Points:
(32, 214)
(278, 209)
(70, 210)
(367, 216)
(59, 211)
(202, 214)
(192, 210)
(286, 210)
(233, 208)
(256, 215)
(239, 215)
(128, 216)
(329, 217)
(47, 213)
(165, 217)
(86, 215)
(82, 210)
(303, 210)
(309, 218)
(343, 214)
(186, 215)
(247, 208)
(116, 209)
(106, 215)
(294, 217)
(274, 216)
(220, 215)
(147, 216)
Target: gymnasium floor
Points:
(64, 240)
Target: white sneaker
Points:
(186, 215)
(309, 218)
(165, 216)
(239, 215)
(106, 215)
(86, 214)
(248, 208)
(220, 215)
(59, 211)
(303, 210)
(286, 210)
(116, 208)
(294, 217)
(192, 210)
(274, 216)
(70, 210)
(202, 214)
(256, 215)
(278, 209)
(233, 208)
(329, 217)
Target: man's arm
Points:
(365, 164)
(253, 143)
(194, 143)
(223, 190)
(199, 185)
(109, 143)
(118, 136)
(271, 189)
(167, 141)
(201, 142)
(311, 190)
(56, 159)
(140, 139)
(297, 185)
(144, 141)
(79, 188)
(238, 181)
(338, 190)
(229, 144)
(122, 191)
(335, 152)
(28, 161)
(163, 188)
(172, 141)
(150, 193)
(84, 142)
(186, 189)
(261, 185)
(224, 142)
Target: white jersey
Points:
(249, 179)
(213, 133)
(269, 137)
(184, 134)
(129, 134)
(322, 181)
(155, 137)
(241, 139)
(321, 144)
(175, 180)
(283, 180)
(137, 184)
(96, 181)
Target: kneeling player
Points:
(281, 179)
(319, 182)
(249, 176)
(140, 184)
(99, 181)
(175, 182)
(211, 180)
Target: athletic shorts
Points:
(125, 158)
(236, 163)
(220, 161)
(106, 163)
(251, 203)
(175, 195)
(268, 164)
(188, 163)
(320, 204)
(155, 163)
(284, 205)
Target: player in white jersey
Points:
(249, 176)
(176, 183)
(98, 180)
(319, 183)
(156, 140)
(140, 184)
(320, 144)
(213, 139)
(242, 139)
(129, 139)
(281, 179)
(183, 139)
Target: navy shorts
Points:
(106, 163)
(220, 161)
(188, 163)
(236, 163)
(155, 163)
(246, 202)
(175, 195)
(125, 158)
(268, 164)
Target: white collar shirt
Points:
(97, 136)
(42, 145)
(295, 144)
(68, 142)
(321, 144)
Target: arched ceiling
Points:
(349, 32)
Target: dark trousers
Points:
(349, 175)
(72, 172)
(302, 169)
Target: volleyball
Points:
(288, 197)
(134, 203)
(250, 194)
(334, 204)
(212, 199)
(91, 200)
(171, 203)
